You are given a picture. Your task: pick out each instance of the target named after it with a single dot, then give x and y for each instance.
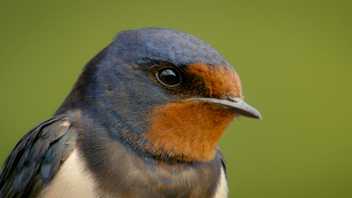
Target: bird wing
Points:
(36, 158)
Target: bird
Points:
(144, 119)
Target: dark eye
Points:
(169, 77)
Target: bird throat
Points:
(187, 130)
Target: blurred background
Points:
(294, 58)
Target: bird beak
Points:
(237, 104)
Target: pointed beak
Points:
(236, 104)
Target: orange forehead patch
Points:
(187, 130)
(219, 80)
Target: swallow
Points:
(143, 120)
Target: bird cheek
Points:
(187, 129)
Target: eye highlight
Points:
(169, 77)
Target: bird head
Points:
(163, 92)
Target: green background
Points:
(294, 58)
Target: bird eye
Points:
(169, 77)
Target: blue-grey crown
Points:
(165, 45)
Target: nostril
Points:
(233, 99)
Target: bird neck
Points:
(181, 131)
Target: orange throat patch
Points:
(187, 130)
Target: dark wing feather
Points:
(224, 166)
(36, 158)
(222, 160)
